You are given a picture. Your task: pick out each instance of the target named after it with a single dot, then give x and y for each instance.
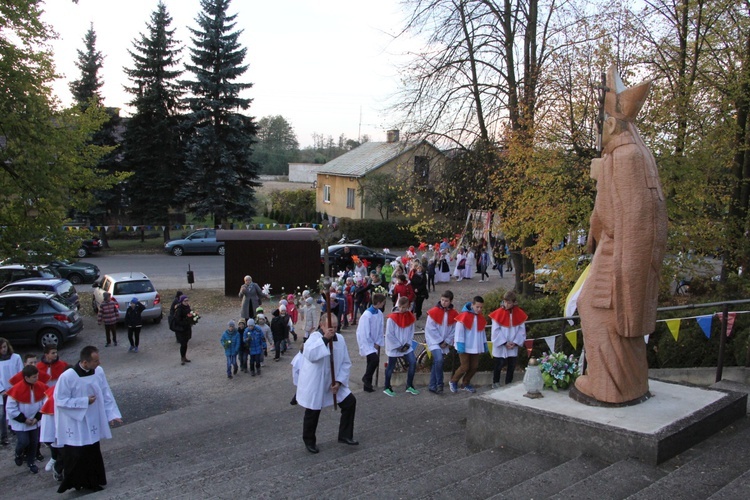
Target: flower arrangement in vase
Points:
(558, 370)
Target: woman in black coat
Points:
(183, 326)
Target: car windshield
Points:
(133, 287)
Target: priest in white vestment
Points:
(316, 388)
(84, 409)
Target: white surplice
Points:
(78, 423)
(314, 382)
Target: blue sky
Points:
(318, 63)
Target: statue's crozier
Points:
(628, 236)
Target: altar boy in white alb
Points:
(316, 388)
(370, 337)
(84, 408)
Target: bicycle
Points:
(420, 353)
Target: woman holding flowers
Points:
(184, 318)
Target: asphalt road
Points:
(165, 271)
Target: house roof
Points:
(365, 158)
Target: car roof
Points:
(127, 276)
(38, 281)
(28, 293)
(21, 266)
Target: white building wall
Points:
(303, 172)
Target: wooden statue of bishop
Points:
(628, 237)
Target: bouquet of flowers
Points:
(194, 316)
(558, 370)
(226, 343)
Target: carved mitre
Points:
(623, 103)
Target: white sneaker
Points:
(50, 465)
(481, 281)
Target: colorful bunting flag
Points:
(705, 323)
(573, 338)
(550, 342)
(489, 346)
(528, 344)
(730, 322)
(674, 327)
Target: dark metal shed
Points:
(285, 259)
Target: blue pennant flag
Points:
(705, 323)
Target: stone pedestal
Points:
(675, 418)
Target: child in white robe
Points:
(508, 332)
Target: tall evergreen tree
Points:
(152, 140)
(86, 93)
(89, 62)
(220, 178)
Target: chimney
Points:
(393, 135)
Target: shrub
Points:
(377, 233)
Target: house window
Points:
(327, 193)
(422, 169)
(349, 198)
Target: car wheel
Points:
(177, 251)
(74, 278)
(222, 251)
(158, 320)
(94, 306)
(49, 337)
(82, 252)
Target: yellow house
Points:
(339, 181)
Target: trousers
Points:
(348, 408)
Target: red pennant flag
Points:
(730, 322)
(528, 344)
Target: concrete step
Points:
(550, 482)
(616, 481)
(432, 479)
(739, 489)
(486, 483)
(727, 459)
(274, 447)
(399, 462)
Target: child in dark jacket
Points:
(230, 340)
(134, 323)
(256, 345)
(243, 353)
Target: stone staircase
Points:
(410, 447)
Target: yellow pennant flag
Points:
(573, 338)
(674, 327)
(489, 347)
(429, 353)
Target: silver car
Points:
(125, 286)
(200, 241)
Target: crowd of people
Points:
(69, 408)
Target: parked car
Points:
(75, 272)
(200, 241)
(14, 272)
(89, 247)
(125, 286)
(373, 257)
(40, 318)
(545, 273)
(59, 286)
